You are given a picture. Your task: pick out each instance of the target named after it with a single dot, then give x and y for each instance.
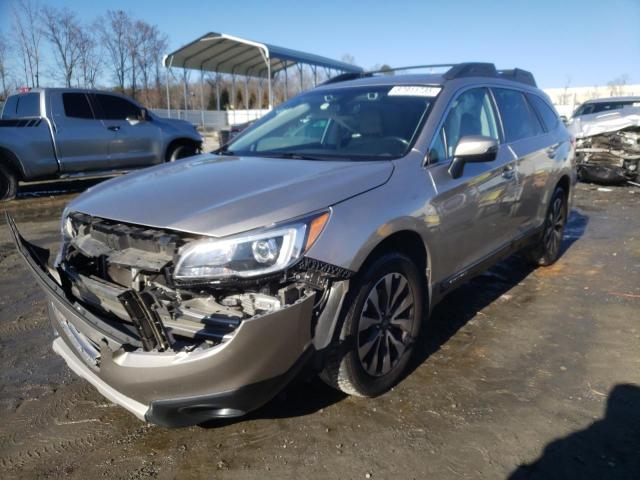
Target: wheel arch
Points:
(9, 158)
(181, 141)
(565, 184)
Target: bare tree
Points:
(62, 29)
(616, 86)
(28, 37)
(89, 62)
(135, 38)
(348, 58)
(4, 69)
(159, 47)
(114, 33)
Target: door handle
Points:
(114, 128)
(508, 172)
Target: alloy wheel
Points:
(556, 219)
(386, 324)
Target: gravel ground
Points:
(521, 374)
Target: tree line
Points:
(51, 46)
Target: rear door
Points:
(475, 210)
(134, 143)
(82, 141)
(526, 137)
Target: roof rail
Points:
(343, 77)
(518, 75)
(471, 69)
(455, 70)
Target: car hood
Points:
(222, 195)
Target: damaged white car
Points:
(607, 132)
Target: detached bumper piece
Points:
(140, 366)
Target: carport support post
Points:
(186, 99)
(286, 82)
(300, 70)
(168, 94)
(246, 93)
(202, 96)
(233, 96)
(270, 80)
(218, 91)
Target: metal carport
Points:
(227, 54)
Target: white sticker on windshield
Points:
(414, 91)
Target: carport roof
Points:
(222, 53)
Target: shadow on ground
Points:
(62, 187)
(306, 397)
(608, 449)
(466, 301)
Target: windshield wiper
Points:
(292, 155)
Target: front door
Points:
(134, 142)
(475, 210)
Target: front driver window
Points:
(470, 114)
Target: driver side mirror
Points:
(142, 117)
(472, 149)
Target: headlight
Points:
(251, 254)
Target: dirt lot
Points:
(522, 373)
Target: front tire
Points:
(547, 249)
(8, 183)
(379, 329)
(180, 151)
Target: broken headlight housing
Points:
(251, 254)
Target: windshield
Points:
(355, 123)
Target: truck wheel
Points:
(8, 183)
(180, 151)
(379, 328)
(547, 249)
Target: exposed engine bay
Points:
(608, 146)
(124, 274)
(609, 157)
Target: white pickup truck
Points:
(54, 133)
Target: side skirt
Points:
(451, 283)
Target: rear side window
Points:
(9, 110)
(76, 105)
(518, 119)
(22, 106)
(549, 117)
(116, 108)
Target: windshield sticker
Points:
(414, 91)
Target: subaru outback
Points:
(323, 235)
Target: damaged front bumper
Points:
(175, 388)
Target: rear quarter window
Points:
(28, 105)
(518, 118)
(22, 106)
(548, 115)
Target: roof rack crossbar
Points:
(455, 70)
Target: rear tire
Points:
(547, 249)
(378, 331)
(8, 183)
(180, 151)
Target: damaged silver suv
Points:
(325, 232)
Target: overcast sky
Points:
(582, 43)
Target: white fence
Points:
(212, 119)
